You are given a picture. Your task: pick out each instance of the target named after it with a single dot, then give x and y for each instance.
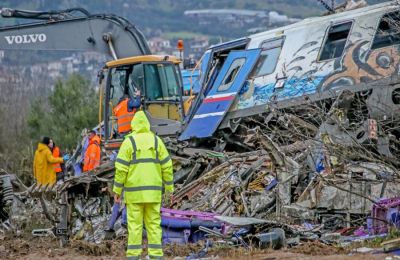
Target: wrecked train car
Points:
(351, 58)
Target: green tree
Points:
(71, 107)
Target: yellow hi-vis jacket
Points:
(143, 165)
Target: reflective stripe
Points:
(156, 147)
(155, 246)
(124, 116)
(144, 160)
(133, 146)
(155, 257)
(134, 247)
(165, 160)
(222, 95)
(209, 114)
(124, 124)
(168, 182)
(141, 188)
(118, 185)
(123, 162)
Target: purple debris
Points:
(385, 213)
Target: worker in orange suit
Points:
(57, 166)
(92, 155)
(124, 112)
(43, 163)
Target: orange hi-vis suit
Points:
(56, 153)
(124, 116)
(92, 155)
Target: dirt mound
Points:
(317, 248)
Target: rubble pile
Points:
(267, 182)
(275, 181)
(321, 169)
(230, 188)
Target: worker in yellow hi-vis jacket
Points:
(143, 168)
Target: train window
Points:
(335, 41)
(231, 74)
(269, 56)
(388, 32)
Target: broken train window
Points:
(335, 41)
(231, 74)
(388, 31)
(269, 56)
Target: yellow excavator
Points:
(133, 69)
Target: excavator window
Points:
(172, 87)
(117, 87)
(125, 80)
(162, 90)
(161, 83)
(135, 82)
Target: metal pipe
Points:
(108, 39)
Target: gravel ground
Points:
(47, 248)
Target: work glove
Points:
(66, 157)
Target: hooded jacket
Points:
(92, 155)
(43, 165)
(143, 165)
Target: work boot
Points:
(109, 234)
(121, 232)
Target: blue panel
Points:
(189, 77)
(219, 99)
(229, 45)
(220, 106)
(200, 128)
(200, 79)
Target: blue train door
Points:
(219, 99)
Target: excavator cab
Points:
(157, 80)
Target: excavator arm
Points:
(73, 30)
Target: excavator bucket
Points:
(218, 101)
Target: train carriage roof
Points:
(352, 14)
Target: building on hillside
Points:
(159, 45)
(198, 45)
(235, 18)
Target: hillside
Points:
(167, 15)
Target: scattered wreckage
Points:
(319, 163)
(261, 198)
